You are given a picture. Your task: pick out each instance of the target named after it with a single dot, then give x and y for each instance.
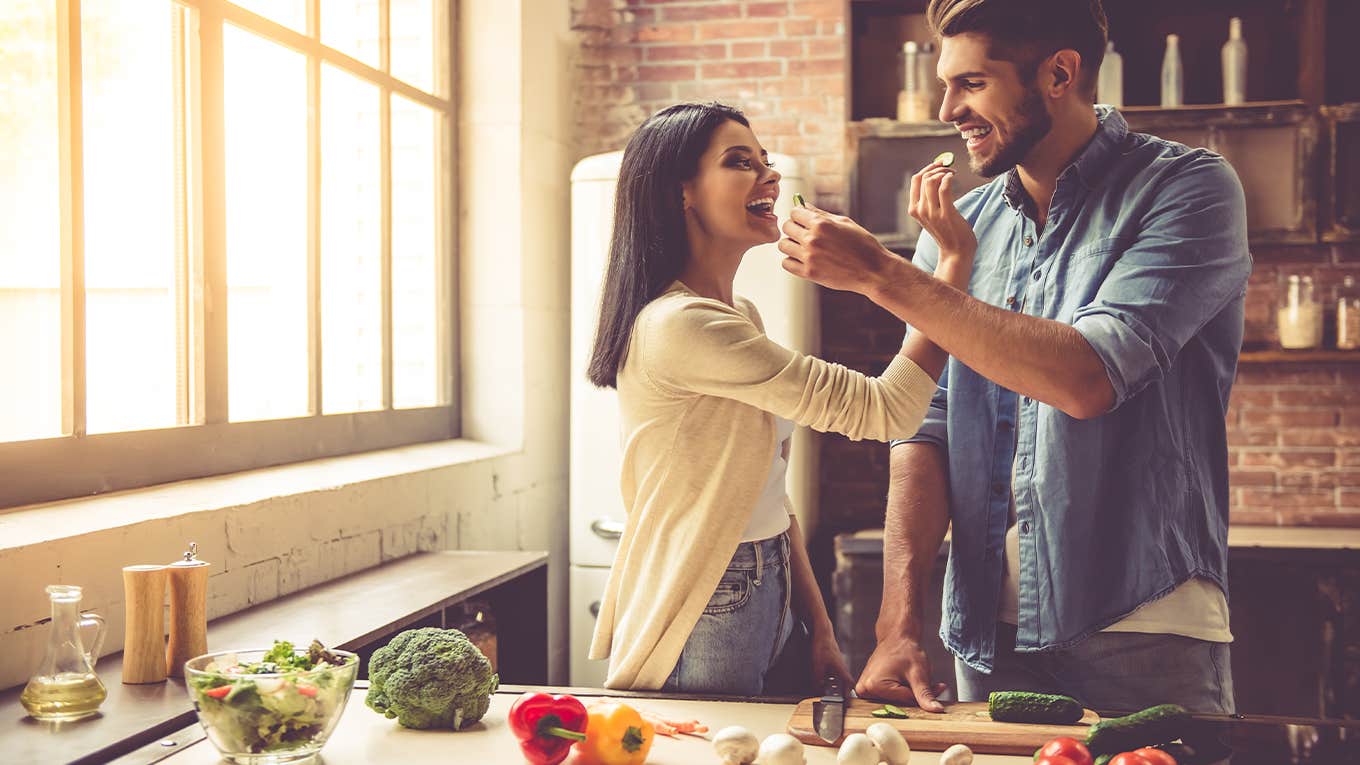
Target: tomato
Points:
(1155, 756)
(1129, 758)
(1070, 748)
(218, 692)
(1055, 759)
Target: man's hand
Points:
(932, 205)
(835, 252)
(898, 671)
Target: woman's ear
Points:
(685, 194)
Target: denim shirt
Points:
(1145, 254)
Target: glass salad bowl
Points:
(270, 707)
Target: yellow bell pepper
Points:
(615, 735)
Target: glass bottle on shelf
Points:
(1298, 313)
(65, 686)
(1173, 86)
(1235, 65)
(913, 102)
(1348, 315)
(1110, 80)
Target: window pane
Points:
(290, 13)
(266, 127)
(413, 42)
(351, 27)
(351, 244)
(30, 223)
(127, 57)
(415, 199)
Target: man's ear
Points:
(1063, 67)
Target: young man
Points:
(1077, 441)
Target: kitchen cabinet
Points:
(1341, 199)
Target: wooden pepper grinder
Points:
(144, 630)
(188, 611)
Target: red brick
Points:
(1255, 437)
(1287, 498)
(831, 27)
(667, 33)
(1337, 479)
(1283, 254)
(739, 30)
(786, 86)
(1281, 458)
(1265, 374)
(819, 9)
(827, 86)
(829, 166)
(1350, 417)
(827, 48)
(1349, 457)
(786, 49)
(767, 10)
(1318, 397)
(748, 50)
(1350, 499)
(1335, 518)
(768, 127)
(1238, 478)
(810, 67)
(1253, 517)
(656, 91)
(702, 12)
(800, 28)
(672, 72)
(1343, 436)
(1258, 397)
(1297, 418)
(742, 70)
(686, 52)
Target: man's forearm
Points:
(1046, 360)
(918, 514)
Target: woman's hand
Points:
(932, 205)
(828, 661)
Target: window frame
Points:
(80, 463)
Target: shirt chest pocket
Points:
(1077, 279)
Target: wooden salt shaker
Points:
(144, 628)
(188, 611)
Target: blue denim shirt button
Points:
(1024, 527)
(1029, 240)
(1038, 274)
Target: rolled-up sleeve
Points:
(1189, 262)
(934, 429)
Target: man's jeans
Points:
(1111, 672)
(743, 629)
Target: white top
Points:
(771, 516)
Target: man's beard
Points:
(1031, 123)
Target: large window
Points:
(225, 236)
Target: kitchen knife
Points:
(828, 714)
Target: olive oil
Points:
(65, 696)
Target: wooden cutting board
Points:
(963, 723)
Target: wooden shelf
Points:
(1299, 357)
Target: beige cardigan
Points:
(695, 396)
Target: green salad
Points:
(285, 700)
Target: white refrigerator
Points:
(788, 307)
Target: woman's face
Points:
(731, 198)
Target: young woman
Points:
(711, 570)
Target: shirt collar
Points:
(1090, 164)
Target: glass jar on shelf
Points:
(1348, 315)
(1298, 313)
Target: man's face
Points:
(1000, 117)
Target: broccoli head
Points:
(431, 678)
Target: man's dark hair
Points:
(1025, 32)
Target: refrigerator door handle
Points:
(606, 529)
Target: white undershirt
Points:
(771, 516)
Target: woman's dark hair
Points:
(649, 246)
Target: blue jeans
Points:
(1111, 672)
(744, 626)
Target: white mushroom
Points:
(781, 749)
(890, 743)
(736, 745)
(957, 754)
(857, 749)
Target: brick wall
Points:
(1294, 429)
(782, 62)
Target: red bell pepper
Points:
(547, 726)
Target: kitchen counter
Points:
(355, 613)
(364, 737)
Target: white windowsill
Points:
(35, 524)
